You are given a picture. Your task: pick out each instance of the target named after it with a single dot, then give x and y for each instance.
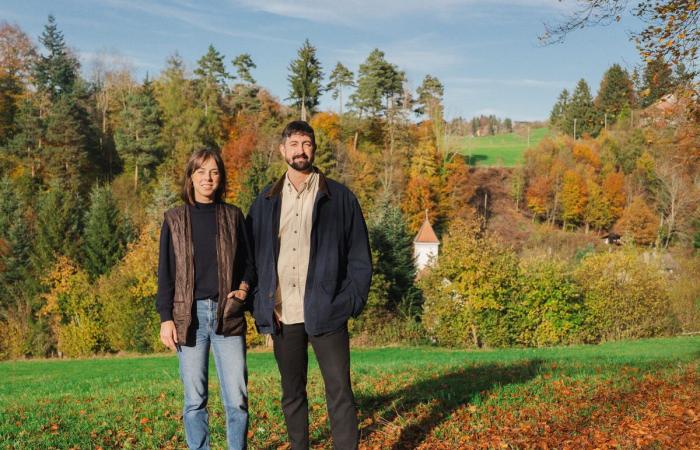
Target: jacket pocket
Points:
(233, 308)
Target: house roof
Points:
(426, 234)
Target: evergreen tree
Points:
(16, 234)
(616, 92)
(243, 63)
(164, 197)
(257, 177)
(29, 131)
(10, 90)
(508, 125)
(657, 81)
(137, 137)
(340, 78)
(378, 83)
(211, 85)
(430, 94)
(580, 116)
(393, 243)
(65, 151)
(58, 226)
(305, 75)
(56, 72)
(557, 115)
(106, 232)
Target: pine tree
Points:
(29, 131)
(393, 243)
(65, 152)
(56, 72)
(581, 116)
(340, 78)
(58, 226)
(106, 232)
(305, 76)
(137, 137)
(429, 100)
(557, 116)
(15, 232)
(257, 177)
(10, 90)
(378, 84)
(616, 92)
(657, 81)
(243, 63)
(211, 82)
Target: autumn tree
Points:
(639, 222)
(573, 198)
(305, 77)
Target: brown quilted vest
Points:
(230, 318)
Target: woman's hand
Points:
(168, 334)
(238, 295)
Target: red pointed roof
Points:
(426, 234)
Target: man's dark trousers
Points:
(333, 354)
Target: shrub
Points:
(550, 307)
(468, 293)
(627, 296)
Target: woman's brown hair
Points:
(194, 163)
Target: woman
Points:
(204, 274)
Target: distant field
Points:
(641, 394)
(503, 150)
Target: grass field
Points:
(618, 395)
(502, 150)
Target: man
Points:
(314, 270)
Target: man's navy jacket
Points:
(340, 263)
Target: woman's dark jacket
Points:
(176, 281)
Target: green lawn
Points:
(501, 150)
(408, 397)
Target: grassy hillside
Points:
(644, 393)
(502, 150)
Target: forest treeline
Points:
(90, 160)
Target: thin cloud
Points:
(191, 14)
(514, 82)
(354, 12)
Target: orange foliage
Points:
(573, 197)
(639, 222)
(586, 152)
(418, 198)
(456, 192)
(328, 123)
(236, 153)
(614, 192)
(539, 194)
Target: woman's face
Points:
(206, 181)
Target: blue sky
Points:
(485, 52)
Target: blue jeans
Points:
(230, 359)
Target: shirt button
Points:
(295, 231)
(297, 214)
(294, 285)
(294, 249)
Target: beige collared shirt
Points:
(295, 247)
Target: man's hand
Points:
(168, 334)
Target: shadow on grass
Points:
(474, 159)
(441, 396)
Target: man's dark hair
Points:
(299, 127)
(195, 162)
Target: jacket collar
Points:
(279, 184)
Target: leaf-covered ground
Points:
(643, 394)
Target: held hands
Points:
(168, 334)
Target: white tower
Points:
(425, 245)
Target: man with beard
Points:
(314, 269)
